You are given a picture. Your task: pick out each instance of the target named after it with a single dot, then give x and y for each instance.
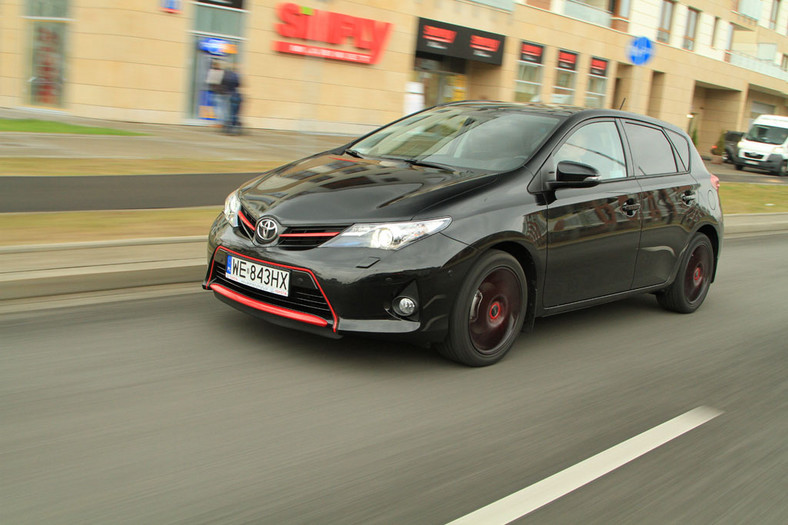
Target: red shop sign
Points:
(567, 60)
(368, 37)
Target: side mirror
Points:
(571, 174)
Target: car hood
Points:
(341, 189)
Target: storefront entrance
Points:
(206, 51)
(442, 80)
(443, 52)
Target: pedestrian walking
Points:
(214, 80)
(231, 84)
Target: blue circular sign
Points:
(640, 51)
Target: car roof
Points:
(573, 113)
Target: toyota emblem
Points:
(267, 230)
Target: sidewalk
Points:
(51, 270)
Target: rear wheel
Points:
(689, 288)
(489, 311)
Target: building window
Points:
(774, 13)
(784, 63)
(47, 59)
(597, 83)
(665, 21)
(564, 88)
(528, 85)
(714, 32)
(691, 29)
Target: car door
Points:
(593, 233)
(661, 160)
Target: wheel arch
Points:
(711, 232)
(528, 264)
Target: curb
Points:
(85, 267)
(755, 223)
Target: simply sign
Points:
(367, 36)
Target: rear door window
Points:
(651, 150)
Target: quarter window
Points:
(682, 147)
(650, 149)
(599, 145)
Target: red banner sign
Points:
(313, 25)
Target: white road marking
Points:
(539, 494)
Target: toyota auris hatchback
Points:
(456, 227)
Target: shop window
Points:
(691, 29)
(528, 86)
(529, 83)
(565, 77)
(48, 32)
(597, 83)
(665, 20)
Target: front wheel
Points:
(739, 167)
(782, 171)
(489, 311)
(688, 290)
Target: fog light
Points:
(404, 306)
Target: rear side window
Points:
(651, 150)
(682, 146)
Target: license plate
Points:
(258, 276)
(751, 161)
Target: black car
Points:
(731, 146)
(457, 226)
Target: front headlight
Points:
(777, 149)
(232, 205)
(387, 236)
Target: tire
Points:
(489, 311)
(688, 290)
(782, 171)
(739, 167)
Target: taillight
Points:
(715, 181)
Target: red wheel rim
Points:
(696, 278)
(495, 309)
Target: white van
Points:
(765, 146)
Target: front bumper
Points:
(346, 290)
(770, 163)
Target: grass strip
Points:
(47, 126)
(28, 166)
(740, 197)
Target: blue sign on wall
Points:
(640, 50)
(214, 46)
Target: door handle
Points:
(630, 208)
(689, 197)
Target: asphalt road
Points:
(130, 192)
(179, 409)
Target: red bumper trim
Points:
(269, 308)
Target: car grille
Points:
(307, 237)
(753, 155)
(293, 237)
(304, 296)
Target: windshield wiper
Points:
(353, 153)
(424, 163)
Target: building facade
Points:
(347, 66)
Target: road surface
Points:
(179, 409)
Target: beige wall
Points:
(131, 61)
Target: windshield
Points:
(767, 134)
(469, 137)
